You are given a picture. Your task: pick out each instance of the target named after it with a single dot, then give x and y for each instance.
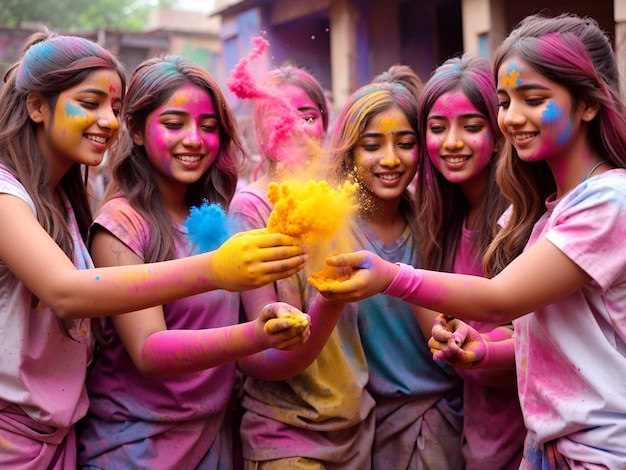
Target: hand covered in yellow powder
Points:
(255, 258)
(456, 342)
(353, 276)
(286, 327)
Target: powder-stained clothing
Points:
(418, 401)
(42, 370)
(493, 425)
(323, 413)
(571, 355)
(173, 422)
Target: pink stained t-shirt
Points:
(493, 425)
(156, 422)
(42, 370)
(571, 355)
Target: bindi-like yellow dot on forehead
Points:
(388, 125)
(510, 78)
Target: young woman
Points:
(59, 110)
(181, 152)
(322, 417)
(566, 134)
(458, 206)
(418, 401)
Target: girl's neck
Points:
(384, 219)
(475, 191)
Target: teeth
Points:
(388, 177)
(456, 159)
(189, 158)
(523, 136)
(95, 138)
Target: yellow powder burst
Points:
(312, 210)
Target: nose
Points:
(390, 160)
(512, 116)
(109, 120)
(192, 139)
(452, 143)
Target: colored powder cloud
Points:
(312, 210)
(209, 226)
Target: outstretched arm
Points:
(246, 260)
(538, 277)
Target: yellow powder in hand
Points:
(286, 321)
(312, 210)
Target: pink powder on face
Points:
(282, 120)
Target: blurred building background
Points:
(344, 43)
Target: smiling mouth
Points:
(97, 139)
(389, 177)
(523, 136)
(189, 158)
(456, 159)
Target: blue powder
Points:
(209, 226)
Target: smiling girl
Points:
(418, 401)
(162, 379)
(459, 204)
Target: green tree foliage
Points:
(77, 15)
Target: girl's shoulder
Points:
(9, 184)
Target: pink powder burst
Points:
(242, 83)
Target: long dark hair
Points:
(151, 84)
(577, 54)
(441, 205)
(49, 65)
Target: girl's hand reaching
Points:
(285, 326)
(457, 343)
(357, 276)
(255, 258)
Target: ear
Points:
(136, 135)
(35, 105)
(590, 111)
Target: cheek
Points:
(71, 120)
(433, 144)
(315, 131)
(484, 149)
(158, 143)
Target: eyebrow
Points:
(308, 108)
(467, 115)
(378, 134)
(525, 87)
(179, 112)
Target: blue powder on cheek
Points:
(73, 111)
(553, 117)
(209, 226)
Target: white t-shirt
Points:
(41, 369)
(571, 355)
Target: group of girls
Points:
(514, 224)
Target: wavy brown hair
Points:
(574, 52)
(441, 205)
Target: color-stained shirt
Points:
(319, 413)
(156, 422)
(571, 355)
(42, 370)
(493, 425)
(419, 408)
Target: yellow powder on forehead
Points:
(313, 210)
